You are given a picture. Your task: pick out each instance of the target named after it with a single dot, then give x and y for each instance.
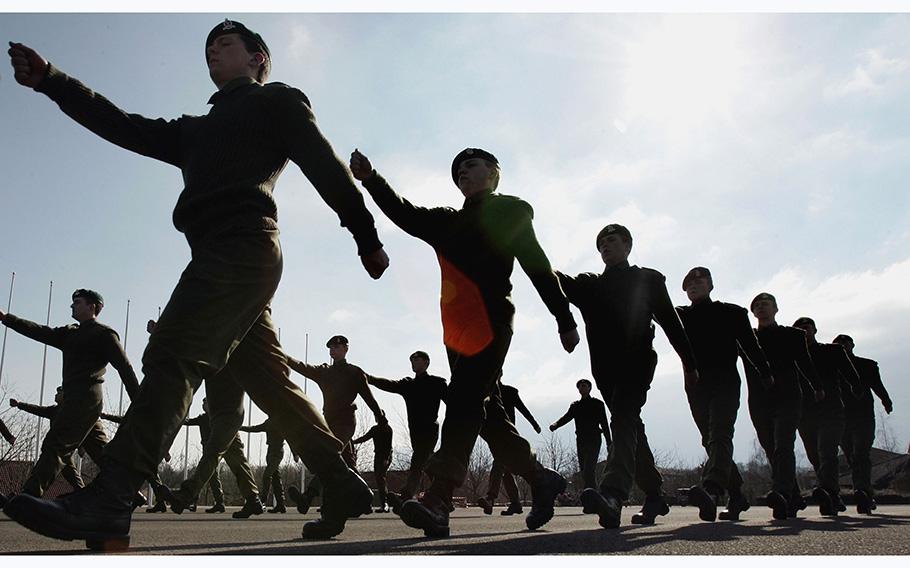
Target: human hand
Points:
(361, 168)
(29, 68)
(375, 263)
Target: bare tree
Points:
(884, 434)
(478, 471)
(557, 455)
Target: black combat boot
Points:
(824, 501)
(383, 503)
(545, 487)
(707, 506)
(139, 500)
(252, 506)
(780, 507)
(396, 501)
(279, 507)
(514, 509)
(653, 506)
(863, 502)
(430, 513)
(160, 507)
(736, 504)
(99, 513)
(302, 500)
(345, 495)
(486, 503)
(218, 507)
(606, 505)
(796, 504)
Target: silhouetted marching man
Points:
(859, 431)
(217, 324)
(422, 395)
(618, 307)
(381, 434)
(775, 407)
(719, 332)
(591, 426)
(271, 475)
(476, 246)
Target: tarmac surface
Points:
(570, 532)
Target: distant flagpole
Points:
(126, 335)
(306, 353)
(9, 305)
(43, 368)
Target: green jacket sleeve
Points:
(421, 222)
(42, 411)
(53, 336)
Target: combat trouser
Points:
(343, 428)
(499, 475)
(216, 487)
(217, 328)
(821, 437)
(859, 433)
(714, 409)
(71, 473)
(588, 450)
(473, 380)
(423, 442)
(271, 476)
(381, 465)
(630, 459)
(775, 426)
(76, 424)
(226, 416)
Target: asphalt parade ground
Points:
(570, 532)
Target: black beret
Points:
(843, 338)
(467, 154)
(804, 320)
(337, 340)
(420, 354)
(232, 27)
(697, 272)
(762, 296)
(613, 229)
(582, 382)
(90, 295)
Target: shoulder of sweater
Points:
(511, 202)
(651, 273)
(278, 89)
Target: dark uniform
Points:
(476, 247)
(422, 395)
(381, 434)
(340, 384)
(154, 480)
(859, 432)
(271, 476)
(93, 444)
(719, 332)
(207, 470)
(218, 317)
(618, 306)
(591, 425)
(775, 411)
(510, 401)
(87, 349)
(821, 425)
(7, 435)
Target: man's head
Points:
(232, 50)
(86, 305)
(808, 325)
(614, 242)
(764, 307)
(58, 396)
(475, 171)
(420, 362)
(338, 347)
(846, 341)
(584, 387)
(698, 284)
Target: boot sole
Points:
(707, 508)
(825, 505)
(99, 541)
(778, 507)
(417, 518)
(541, 516)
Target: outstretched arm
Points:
(566, 418)
(385, 384)
(520, 407)
(112, 418)
(53, 336)
(256, 428)
(42, 411)
(315, 372)
(7, 435)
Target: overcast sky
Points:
(770, 148)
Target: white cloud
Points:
(870, 76)
(341, 315)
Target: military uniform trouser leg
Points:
(630, 459)
(714, 411)
(775, 426)
(588, 452)
(226, 416)
(423, 441)
(76, 424)
(381, 465)
(821, 437)
(473, 380)
(216, 486)
(501, 476)
(859, 433)
(217, 328)
(71, 473)
(343, 428)
(271, 476)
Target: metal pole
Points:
(186, 453)
(44, 367)
(9, 305)
(249, 422)
(126, 335)
(306, 357)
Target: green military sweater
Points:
(87, 349)
(231, 157)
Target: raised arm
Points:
(257, 428)
(566, 418)
(367, 395)
(42, 411)
(118, 359)
(317, 373)
(159, 139)
(368, 436)
(520, 407)
(386, 385)
(53, 336)
(112, 418)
